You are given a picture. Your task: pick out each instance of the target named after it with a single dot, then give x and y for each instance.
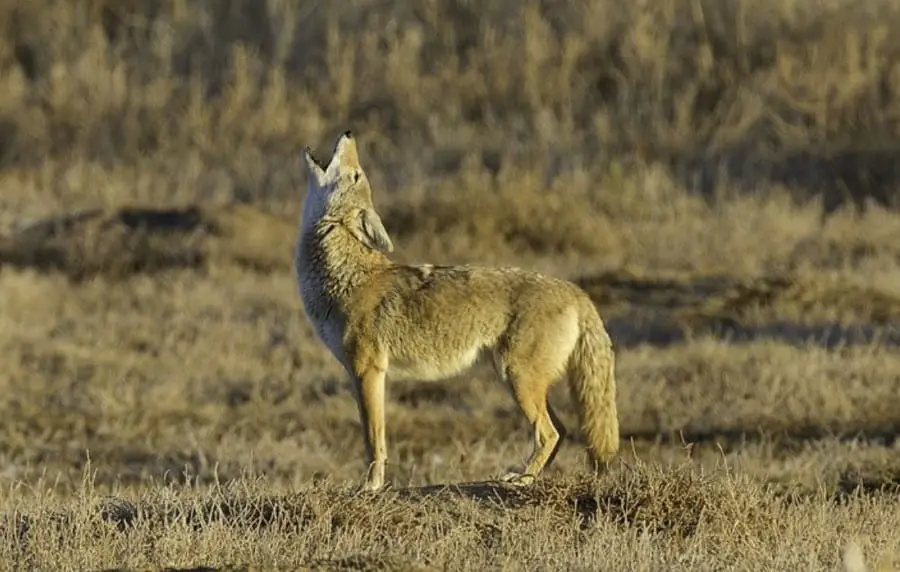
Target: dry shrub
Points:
(682, 501)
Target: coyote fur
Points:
(428, 322)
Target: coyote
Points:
(430, 322)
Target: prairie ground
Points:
(719, 176)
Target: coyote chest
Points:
(321, 308)
(324, 314)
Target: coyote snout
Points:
(427, 322)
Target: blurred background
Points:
(199, 101)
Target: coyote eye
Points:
(356, 176)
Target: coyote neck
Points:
(334, 262)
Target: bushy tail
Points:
(593, 385)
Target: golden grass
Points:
(719, 176)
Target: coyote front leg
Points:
(369, 393)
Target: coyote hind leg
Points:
(531, 358)
(547, 431)
(545, 434)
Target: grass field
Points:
(720, 176)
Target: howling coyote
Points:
(425, 322)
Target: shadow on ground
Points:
(652, 310)
(665, 311)
(662, 332)
(120, 243)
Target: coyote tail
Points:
(593, 386)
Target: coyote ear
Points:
(370, 231)
(315, 170)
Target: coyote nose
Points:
(348, 134)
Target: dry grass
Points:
(720, 176)
(649, 517)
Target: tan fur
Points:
(429, 322)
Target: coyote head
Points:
(340, 192)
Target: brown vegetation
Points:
(719, 175)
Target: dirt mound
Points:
(676, 505)
(674, 500)
(136, 240)
(367, 563)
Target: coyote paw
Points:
(369, 488)
(518, 479)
